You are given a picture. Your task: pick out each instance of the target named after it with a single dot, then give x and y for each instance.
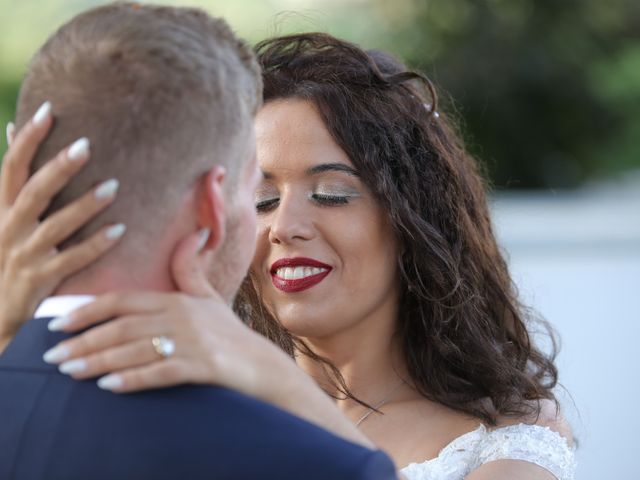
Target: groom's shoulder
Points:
(206, 430)
(227, 430)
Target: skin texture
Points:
(214, 347)
(297, 218)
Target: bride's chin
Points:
(303, 327)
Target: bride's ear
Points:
(211, 209)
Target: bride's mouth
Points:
(292, 275)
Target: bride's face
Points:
(326, 256)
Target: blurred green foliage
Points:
(547, 92)
(8, 93)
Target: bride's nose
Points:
(292, 221)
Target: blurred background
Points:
(547, 94)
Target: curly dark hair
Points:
(462, 329)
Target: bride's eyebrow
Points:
(332, 167)
(324, 167)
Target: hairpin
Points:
(434, 112)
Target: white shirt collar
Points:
(61, 305)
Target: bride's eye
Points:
(324, 199)
(266, 205)
(333, 195)
(266, 198)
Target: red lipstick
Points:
(298, 284)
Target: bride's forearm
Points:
(299, 394)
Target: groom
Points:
(166, 97)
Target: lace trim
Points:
(452, 463)
(530, 443)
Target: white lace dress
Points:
(531, 443)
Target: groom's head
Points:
(167, 97)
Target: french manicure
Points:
(79, 149)
(110, 382)
(107, 189)
(204, 238)
(42, 113)
(58, 324)
(73, 366)
(116, 231)
(11, 129)
(57, 354)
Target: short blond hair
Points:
(163, 93)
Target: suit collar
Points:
(34, 338)
(27, 347)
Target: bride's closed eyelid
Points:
(269, 193)
(266, 192)
(270, 198)
(338, 191)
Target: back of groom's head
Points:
(162, 93)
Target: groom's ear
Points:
(211, 207)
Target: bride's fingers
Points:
(108, 335)
(15, 166)
(62, 224)
(166, 373)
(37, 193)
(187, 266)
(73, 259)
(130, 355)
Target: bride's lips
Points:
(303, 268)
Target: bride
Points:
(376, 271)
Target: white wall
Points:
(576, 259)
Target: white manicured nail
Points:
(56, 354)
(110, 382)
(73, 366)
(204, 235)
(11, 129)
(58, 324)
(116, 231)
(79, 149)
(107, 189)
(42, 113)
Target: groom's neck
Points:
(106, 281)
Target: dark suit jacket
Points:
(53, 427)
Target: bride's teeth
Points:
(296, 273)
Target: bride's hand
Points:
(30, 266)
(212, 346)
